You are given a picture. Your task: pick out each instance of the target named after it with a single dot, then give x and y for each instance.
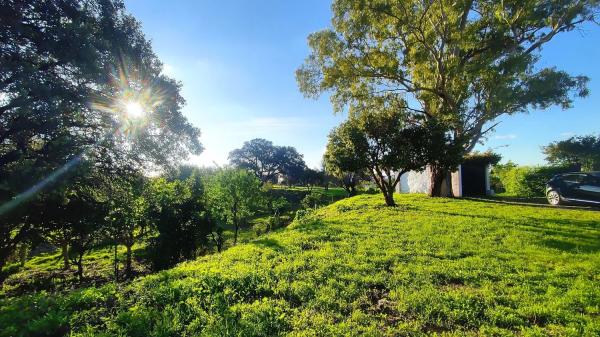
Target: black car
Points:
(577, 187)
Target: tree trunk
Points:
(65, 255)
(218, 242)
(128, 270)
(116, 262)
(235, 235)
(436, 182)
(79, 263)
(352, 191)
(23, 254)
(389, 198)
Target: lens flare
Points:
(129, 100)
(134, 109)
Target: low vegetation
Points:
(523, 181)
(356, 267)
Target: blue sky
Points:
(236, 60)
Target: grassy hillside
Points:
(44, 271)
(429, 266)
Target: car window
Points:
(573, 178)
(592, 180)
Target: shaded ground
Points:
(535, 201)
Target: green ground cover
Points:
(356, 267)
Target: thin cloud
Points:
(506, 137)
(567, 134)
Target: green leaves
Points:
(233, 195)
(268, 161)
(583, 151)
(463, 63)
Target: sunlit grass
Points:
(429, 266)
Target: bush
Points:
(314, 199)
(524, 181)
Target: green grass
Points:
(430, 266)
(45, 271)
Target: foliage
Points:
(177, 213)
(524, 181)
(311, 177)
(458, 268)
(581, 151)
(379, 142)
(128, 216)
(268, 161)
(314, 199)
(482, 158)
(68, 71)
(73, 214)
(461, 64)
(233, 196)
(345, 164)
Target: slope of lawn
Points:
(44, 271)
(429, 266)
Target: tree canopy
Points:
(233, 195)
(69, 73)
(268, 161)
(380, 143)
(462, 63)
(580, 151)
(69, 69)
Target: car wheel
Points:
(553, 198)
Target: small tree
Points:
(343, 163)
(233, 196)
(127, 216)
(581, 151)
(176, 211)
(277, 206)
(312, 178)
(314, 199)
(380, 143)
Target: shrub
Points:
(314, 199)
(524, 181)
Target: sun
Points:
(134, 109)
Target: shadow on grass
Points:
(571, 247)
(269, 243)
(532, 202)
(568, 235)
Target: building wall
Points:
(418, 182)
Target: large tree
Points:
(267, 161)
(71, 74)
(581, 151)
(461, 63)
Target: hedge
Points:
(524, 181)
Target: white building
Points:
(468, 180)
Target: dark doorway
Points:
(473, 180)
